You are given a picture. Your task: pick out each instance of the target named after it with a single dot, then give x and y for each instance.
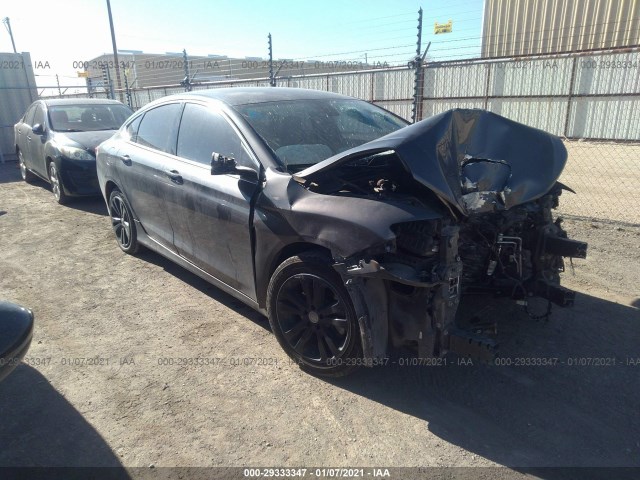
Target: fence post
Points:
(106, 78)
(372, 92)
(487, 86)
(126, 89)
(570, 96)
(416, 113)
(186, 83)
(272, 77)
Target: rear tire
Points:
(123, 223)
(312, 316)
(26, 175)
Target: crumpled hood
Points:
(474, 159)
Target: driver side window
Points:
(203, 132)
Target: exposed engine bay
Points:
(495, 234)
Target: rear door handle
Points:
(126, 159)
(175, 176)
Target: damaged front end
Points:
(495, 182)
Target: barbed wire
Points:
(145, 69)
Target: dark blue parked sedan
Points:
(56, 141)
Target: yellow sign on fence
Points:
(443, 27)
(83, 74)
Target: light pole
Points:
(7, 24)
(115, 51)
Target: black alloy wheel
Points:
(122, 223)
(312, 316)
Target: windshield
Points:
(302, 133)
(87, 118)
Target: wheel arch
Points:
(288, 251)
(109, 187)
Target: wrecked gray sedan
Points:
(351, 230)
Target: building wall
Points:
(529, 27)
(146, 70)
(17, 92)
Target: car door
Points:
(23, 128)
(141, 168)
(211, 214)
(37, 142)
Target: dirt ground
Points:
(107, 381)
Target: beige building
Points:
(145, 70)
(529, 27)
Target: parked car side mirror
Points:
(38, 129)
(16, 331)
(222, 165)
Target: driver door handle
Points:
(126, 159)
(175, 176)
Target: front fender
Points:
(286, 213)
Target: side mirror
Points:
(38, 129)
(16, 331)
(221, 165)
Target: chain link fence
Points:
(591, 100)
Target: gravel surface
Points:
(137, 362)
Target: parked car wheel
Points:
(122, 222)
(27, 176)
(56, 184)
(312, 316)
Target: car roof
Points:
(243, 95)
(79, 101)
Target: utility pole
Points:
(115, 50)
(7, 24)
(272, 78)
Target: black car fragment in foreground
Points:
(16, 331)
(351, 230)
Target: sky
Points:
(61, 33)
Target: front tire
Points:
(56, 184)
(312, 316)
(122, 222)
(26, 175)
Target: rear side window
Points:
(203, 132)
(157, 128)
